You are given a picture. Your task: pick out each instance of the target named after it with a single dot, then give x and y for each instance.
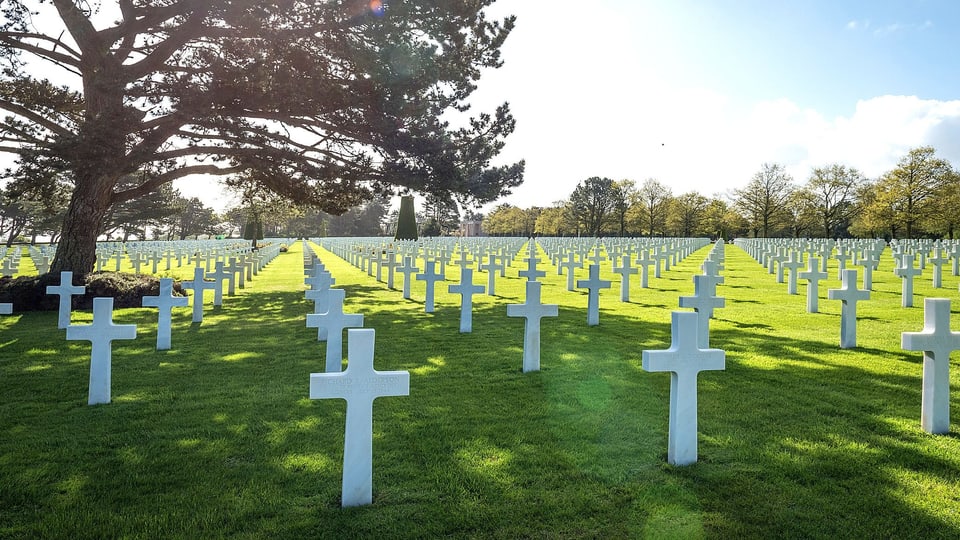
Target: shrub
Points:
(29, 293)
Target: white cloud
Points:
(699, 140)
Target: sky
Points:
(699, 94)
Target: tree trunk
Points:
(77, 249)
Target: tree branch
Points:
(34, 117)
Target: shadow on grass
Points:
(220, 435)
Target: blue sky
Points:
(699, 94)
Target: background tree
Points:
(624, 196)
(652, 206)
(591, 203)
(832, 193)
(328, 102)
(443, 212)
(134, 217)
(555, 220)
(944, 219)
(764, 198)
(508, 220)
(194, 219)
(406, 220)
(912, 187)
(686, 213)
(800, 213)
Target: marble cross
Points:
(625, 270)
(937, 342)
(907, 272)
(407, 269)
(198, 285)
(531, 273)
(219, 275)
(569, 266)
(532, 310)
(813, 277)
(466, 289)
(593, 286)
(166, 301)
(101, 333)
(333, 322)
(704, 301)
(685, 359)
(65, 290)
(359, 385)
(430, 277)
(849, 295)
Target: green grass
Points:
(217, 437)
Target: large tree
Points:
(913, 187)
(592, 202)
(653, 204)
(831, 192)
(764, 199)
(329, 103)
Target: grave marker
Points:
(593, 285)
(65, 290)
(684, 360)
(813, 277)
(166, 301)
(430, 277)
(625, 270)
(849, 295)
(532, 310)
(198, 285)
(466, 289)
(937, 342)
(331, 323)
(359, 385)
(101, 333)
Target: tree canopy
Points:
(327, 103)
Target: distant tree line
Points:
(919, 197)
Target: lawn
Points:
(217, 437)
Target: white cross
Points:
(65, 290)
(813, 277)
(407, 269)
(198, 285)
(166, 301)
(645, 262)
(849, 295)
(236, 270)
(625, 270)
(334, 320)
(937, 342)
(491, 269)
(101, 333)
(532, 310)
(794, 264)
(704, 302)
(938, 261)
(531, 273)
(569, 266)
(684, 360)
(359, 385)
(219, 275)
(869, 263)
(593, 285)
(907, 273)
(6, 308)
(430, 277)
(466, 289)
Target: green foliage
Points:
(217, 438)
(324, 103)
(591, 204)
(407, 220)
(29, 293)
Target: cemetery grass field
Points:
(217, 437)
